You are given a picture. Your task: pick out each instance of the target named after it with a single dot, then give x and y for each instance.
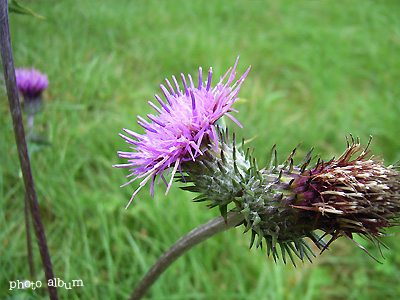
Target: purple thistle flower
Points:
(31, 82)
(180, 130)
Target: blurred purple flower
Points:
(31, 82)
(181, 128)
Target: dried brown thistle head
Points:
(354, 194)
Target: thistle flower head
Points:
(354, 194)
(283, 204)
(31, 83)
(178, 131)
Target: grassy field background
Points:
(320, 70)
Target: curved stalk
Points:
(19, 132)
(194, 237)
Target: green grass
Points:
(320, 70)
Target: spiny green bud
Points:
(218, 175)
(284, 204)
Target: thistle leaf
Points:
(15, 7)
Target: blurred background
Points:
(321, 70)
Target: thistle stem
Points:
(29, 238)
(15, 109)
(194, 237)
(30, 122)
(27, 216)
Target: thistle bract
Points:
(31, 83)
(182, 124)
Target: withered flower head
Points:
(355, 194)
(285, 204)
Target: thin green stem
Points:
(194, 237)
(27, 216)
(30, 123)
(19, 132)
